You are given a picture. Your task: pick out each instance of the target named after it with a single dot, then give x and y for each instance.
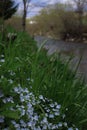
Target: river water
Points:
(67, 49)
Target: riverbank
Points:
(78, 50)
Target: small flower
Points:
(12, 109)
(22, 111)
(22, 99)
(10, 81)
(2, 55)
(41, 97)
(70, 128)
(29, 124)
(66, 109)
(45, 127)
(2, 76)
(53, 127)
(45, 120)
(35, 118)
(58, 106)
(48, 110)
(13, 122)
(22, 106)
(51, 116)
(12, 73)
(63, 116)
(57, 113)
(76, 129)
(17, 126)
(65, 124)
(16, 89)
(10, 99)
(60, 124)
(23, 123)
(26, 90)
(29, 105)
(28, 79)
(2, 60)
(52, 105)
(1, 119)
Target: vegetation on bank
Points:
(37, 91)
(61, 21)
(54, 22)
(65, 21)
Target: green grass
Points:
(48, 75)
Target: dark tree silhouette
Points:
(7, 8)
(25, 9)
(80, 5)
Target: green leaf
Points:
(11, 114)
(77, 105)
(83, 121)
(7, 105)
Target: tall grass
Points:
(22, 63)
(55, 80)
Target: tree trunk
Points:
(3, 24)
(24, 16)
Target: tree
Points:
(7, 9)
(80, 6)
(57, 21)
(25, 10)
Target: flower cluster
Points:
(36, 113)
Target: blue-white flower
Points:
(2, 60)
(2, 119)
(58, 106)
(60, 124)
(70, 128)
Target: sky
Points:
(35, 6)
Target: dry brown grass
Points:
(15, 22)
